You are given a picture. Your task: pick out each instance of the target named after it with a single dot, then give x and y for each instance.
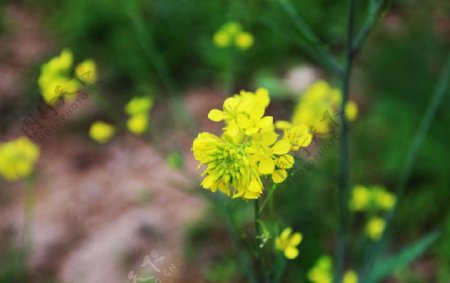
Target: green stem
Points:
(405, 173)
(28, 211)
(344, 168)
(259, 251)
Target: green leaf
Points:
(391, 264)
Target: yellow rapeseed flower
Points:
(317, 106)
(350, 277)
(322, 271)
(17, 158)
(375, 228)
(244, 40)
(138, 108)
(371, 199)
(138, 124)
(287, 243)
(101, 132)
(360, 198)
(86, 71)
(248, 149)
(231, 33)
(55, 81)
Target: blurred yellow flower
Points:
(101, 132)
(316, 108)
(86, 71)
(351, 111)
(322, 271)
(288, 242)
(371, 199)
(360, 198)
(375, 228)
(138, 124)
(350, 277)
(55, 81)
(17, 158)
(231, 33)
(244, 40)
(138, 108)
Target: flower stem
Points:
(344, 162)
(259, 252)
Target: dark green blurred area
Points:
(394, 78)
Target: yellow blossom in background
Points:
(351, 111)
(86, 71)
(231, 33)
(322, 271)
(371, 199)
(360, 198)
(139, 105)
(287, 243)
(244, 40)
(17, 158)
(248, 149)
(138, 108)
(55, 81)
(350, 277)
(375, 228)
(101, 132)
(383, 199)
(138, 124)
(318, 106)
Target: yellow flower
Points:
(375, 228)
(317, 106)
(139, 105)
(371, 199)
(382, 198)
(350, 277)
(229, 167)
(322, 271)
(54, 80)
(351, 111)
(86, 71)
(231, 33)
(17, 158)
(222, 39)
(244, 40)
(243, 113)
(101, 132)
(138, 124)
(360, 199)
(288, 242)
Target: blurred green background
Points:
(160, 46)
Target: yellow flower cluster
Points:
(232, 34)
(248, 149)
(17, 158)
(138, 109)
(371, 199)
(288, 242)
(101, 132)
(316, 106)
(322, 272)
(56, 81)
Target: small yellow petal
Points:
(291, 252)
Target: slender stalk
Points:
(405, 173)
(259, 253)
(28, 211)
(344, 168)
